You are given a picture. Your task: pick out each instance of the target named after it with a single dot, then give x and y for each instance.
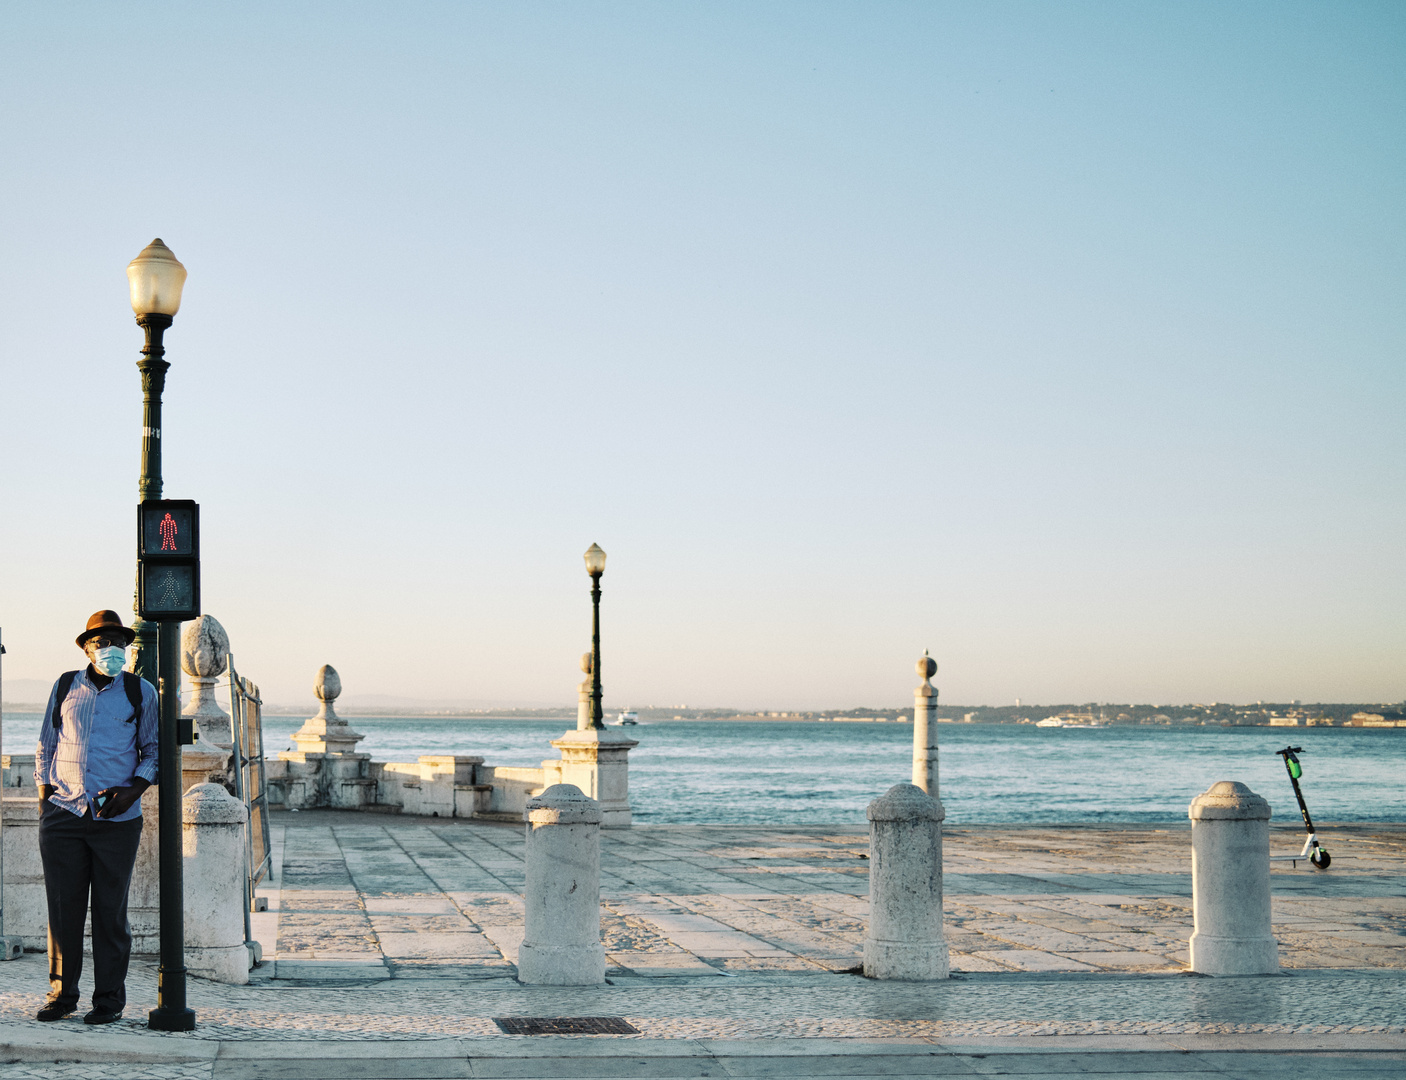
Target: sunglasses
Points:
(104, 642)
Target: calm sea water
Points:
(825, 773)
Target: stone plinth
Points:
(325, 770)
(200, 765)
(925, 728)
(561, 943)
(204, 658)
(904, 938)
(1230, 883)
(26, 908)
(212, 838)
(326, 733)
(597, 761)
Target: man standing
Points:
(96, 755)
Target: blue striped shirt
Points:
(99, 744)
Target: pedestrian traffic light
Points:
(168, 560)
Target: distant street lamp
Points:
(156, 278)
(595, 566)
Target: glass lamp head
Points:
(595, 560)
(156, 277)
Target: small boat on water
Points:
(628, 718)
(1050, 721)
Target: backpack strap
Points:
(132, 684)
(65, 684)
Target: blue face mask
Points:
(109, 661)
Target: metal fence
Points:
(246, 717)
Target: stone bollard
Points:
(1230, 883)
(925, 727)
(904, 939)
(212, 835)
(561, 944)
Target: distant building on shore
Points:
(1385, 718)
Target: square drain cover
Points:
(566, 1025)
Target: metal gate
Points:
(246, 717)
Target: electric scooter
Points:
(1313, 851)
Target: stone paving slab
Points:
(391, 943)
(750, 898)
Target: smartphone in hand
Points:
(104, 797)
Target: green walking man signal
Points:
(168, 560)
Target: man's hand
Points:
(45, 790)
(122, 798)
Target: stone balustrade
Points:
(326, 770)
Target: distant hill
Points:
(26, 692)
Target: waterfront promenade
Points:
(390, 943)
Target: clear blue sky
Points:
(1065, 340)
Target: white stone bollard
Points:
(904, 938)
(212, 835)
(561, 944)
(925, 727)
(1230, 883)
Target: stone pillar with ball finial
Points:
(925, 727)
(204, 658)
(333, 773)
(583, 695)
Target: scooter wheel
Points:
(1321, 859)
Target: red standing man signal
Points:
(168, 533)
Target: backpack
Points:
(131, 685)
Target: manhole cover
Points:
(565, 1025)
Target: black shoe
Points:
(54, 1010)
(102, 1016)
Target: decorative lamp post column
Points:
(156, 278)
(595, 566)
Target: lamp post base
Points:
(160, 1019)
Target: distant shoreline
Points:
(1192, 717)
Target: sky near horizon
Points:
(1066, 341)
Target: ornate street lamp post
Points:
(156, 278)
(595, 566)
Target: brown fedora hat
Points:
(105, 622)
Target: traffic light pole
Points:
(170, 1013)
(153, 367)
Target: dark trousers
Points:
(83, 856)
